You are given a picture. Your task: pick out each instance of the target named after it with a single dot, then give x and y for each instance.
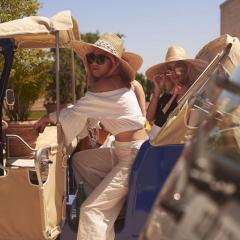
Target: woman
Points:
(111, 101)
(171, 80)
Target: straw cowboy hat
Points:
(174, 54)
(111, 43)
(216, 46)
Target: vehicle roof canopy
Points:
(38, 32)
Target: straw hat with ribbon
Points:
(111, 43)
(174, 54)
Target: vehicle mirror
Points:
(10, 98)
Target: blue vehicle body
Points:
(149, 172)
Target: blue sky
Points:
(150, 26)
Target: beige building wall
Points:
(230, 17)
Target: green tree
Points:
(149, 90)
(31, 68)
(90, 37)
(147, 85)
(15, 9)
(28, 78)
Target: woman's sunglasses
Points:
(178, 69)
(99, 59)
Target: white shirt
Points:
(117, 110)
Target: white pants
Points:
(106, 170)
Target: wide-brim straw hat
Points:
(111, 43)
(174, 54)
(216, 46)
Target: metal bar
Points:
(73, 78)
(57, 74)
(8, 136)
(57, 39)
(21, 140)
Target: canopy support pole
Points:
(73, 78)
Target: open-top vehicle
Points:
(34, 207)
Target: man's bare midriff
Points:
(134, 135)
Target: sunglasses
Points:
(99, 59)
(165, 74)
(177, 71)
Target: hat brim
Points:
(216, 46)
(212, 48)
(130, 62)
(160, 68)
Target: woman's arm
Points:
(152, 107)
(139, 92)
(177, 92)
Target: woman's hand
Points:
(178, 90)
(162, 84)
(42, 123)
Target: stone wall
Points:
(230, 17)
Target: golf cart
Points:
(37, 210)
(33, 210)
